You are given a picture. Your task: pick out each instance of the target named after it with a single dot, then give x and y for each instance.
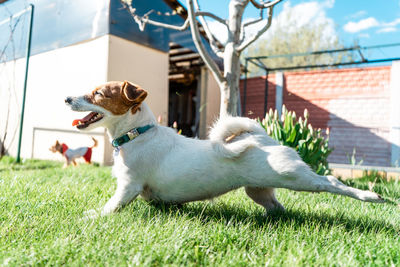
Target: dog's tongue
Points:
(85, 119)
(75, 122)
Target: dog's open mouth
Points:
(92, 117)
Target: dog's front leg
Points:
(125, 193)
(66, 164)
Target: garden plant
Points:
(310, 143)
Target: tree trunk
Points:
(230, 90)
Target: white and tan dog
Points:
(71, 154)
(158, 164)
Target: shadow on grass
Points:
(230, 215)
(29, 166)
(25, 168)
(9, 164)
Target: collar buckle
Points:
(132, 134)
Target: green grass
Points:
(42, 205)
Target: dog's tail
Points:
(224, 132)
(95, 142)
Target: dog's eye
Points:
(98, 93)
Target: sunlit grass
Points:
(42, 205)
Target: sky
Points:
(370, 22)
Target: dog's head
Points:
(57, 147)
(106, 102)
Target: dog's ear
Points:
(133, 93)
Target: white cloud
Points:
(387, 29)
(219, 30)
(312, 13)
(364, 35)
(357, 15)
(392, 23)
(302, 14)
(361, 25)
(371, 22)
(328, 3)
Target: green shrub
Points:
(311, 145)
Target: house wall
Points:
(209, 102)
(144, 66)
(353, 103)
(213, 101)
(53, 75)
(70, 71)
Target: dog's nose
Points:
(68, 100)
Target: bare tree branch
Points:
(249, 41)
(264, 5)
(211, 15)
(244, 25)
(212, 39)
(143, 20)
(199, 45)
(256, 20)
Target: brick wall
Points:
(255, 96)
(354, 103)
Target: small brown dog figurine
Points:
(72, 154)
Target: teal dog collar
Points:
(129, 136)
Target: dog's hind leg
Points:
(294, 174)
(264, 197)
(304, 179)
(333, 185)
(124, 194)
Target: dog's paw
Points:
(371, 197)
(274, 208)
(107, 210)
(90, 215)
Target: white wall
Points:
(52, 76)
(209, 102)
(71, 71)
(144, 66)
(213, 100)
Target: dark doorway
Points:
(184, 95)
(182, 107)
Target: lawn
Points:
(42, 205)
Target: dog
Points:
(71, 155)
(155, 162)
